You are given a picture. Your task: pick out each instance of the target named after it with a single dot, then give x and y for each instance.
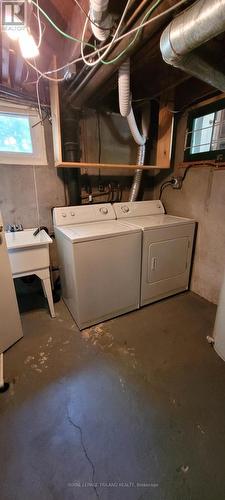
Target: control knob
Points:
(104, 210)
(125, 209)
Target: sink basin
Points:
(21, 239)
(27, 252)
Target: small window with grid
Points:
(205, 136)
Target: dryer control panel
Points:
(63, 216)
(138, 208)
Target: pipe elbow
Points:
(167, 51)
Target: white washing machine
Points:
(100, 262)
(167, 243)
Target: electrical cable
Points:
(163, 186)
(66, 35)
(121, 37)
(39, 25)
(136, 34)
(170, 182)
(100, 59)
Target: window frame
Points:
(216, 154)
(38, 156)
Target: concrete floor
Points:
(133, 409)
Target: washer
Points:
(100, 262)
(167, 244)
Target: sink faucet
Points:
(40, 229)
(12, 228)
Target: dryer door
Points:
(166, 261)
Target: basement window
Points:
(22, 140)
(205, 137)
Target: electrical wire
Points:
(121, 37)
(39, 25)
(111, 61)
(100, 59)
(163, 186)
(66, 35)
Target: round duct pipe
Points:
(195, 26)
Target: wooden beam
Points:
(18, 70)
(5, 58)
(56, 123)
(165, 131)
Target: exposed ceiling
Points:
(149, 74)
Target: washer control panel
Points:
(138, 208)
(63, 216)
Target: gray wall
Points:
(202, 198)
(17, 190)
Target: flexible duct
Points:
(127, 111)
(138, 174)
(138, 137)
(187, 32)
(99, 33)
(98, 14)
(124, 88)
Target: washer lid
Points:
(95, 231)
(157, 221)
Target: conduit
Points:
(187, 32)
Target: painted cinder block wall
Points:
(202, 198)
(17, 190)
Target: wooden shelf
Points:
(67, 164)
(163, 153)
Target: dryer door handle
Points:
(153, 263)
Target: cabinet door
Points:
(10, 324)
(166, 262)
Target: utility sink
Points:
(28, 252)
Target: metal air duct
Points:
(198, 24)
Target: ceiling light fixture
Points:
(28, 46)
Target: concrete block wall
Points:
(17, 190)
(202, 198)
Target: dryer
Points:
(167, 243)
(100, 262)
